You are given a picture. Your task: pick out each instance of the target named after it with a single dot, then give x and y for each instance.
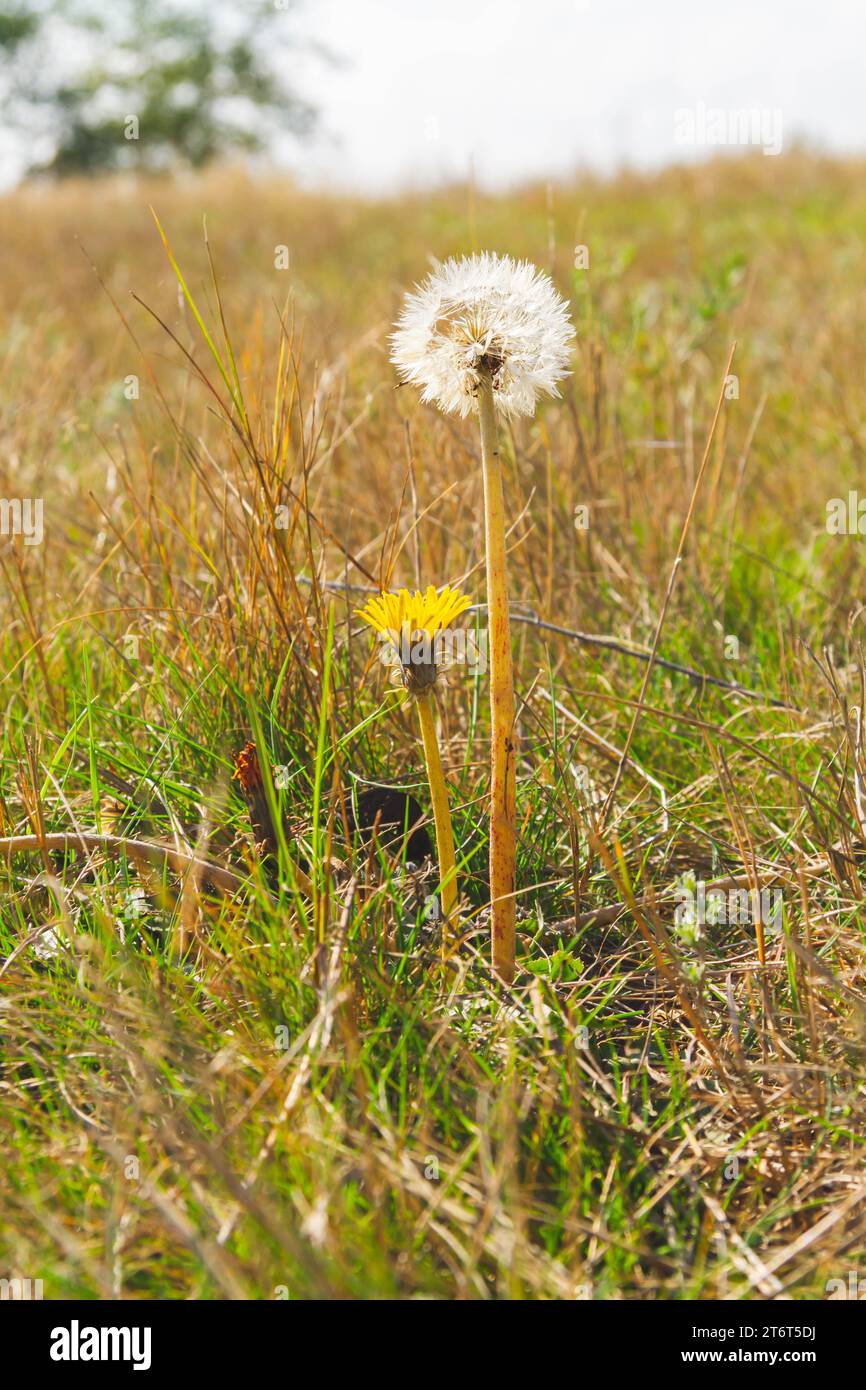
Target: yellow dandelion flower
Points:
(412, 623)
(430, 612)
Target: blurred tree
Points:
(16, 26)
(146, 84)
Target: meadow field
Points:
(219, 1085)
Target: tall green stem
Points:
(441, 817)
(503, 736)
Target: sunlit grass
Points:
(247, 1095)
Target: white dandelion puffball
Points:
(483, 313)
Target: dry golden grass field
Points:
(226, 1086)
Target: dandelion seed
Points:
(484, 314)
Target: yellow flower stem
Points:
(441, 817)
(503, 736)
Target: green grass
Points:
(259, 1096)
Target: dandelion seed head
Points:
(478, 314)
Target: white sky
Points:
(424, 90)
(525, 88)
